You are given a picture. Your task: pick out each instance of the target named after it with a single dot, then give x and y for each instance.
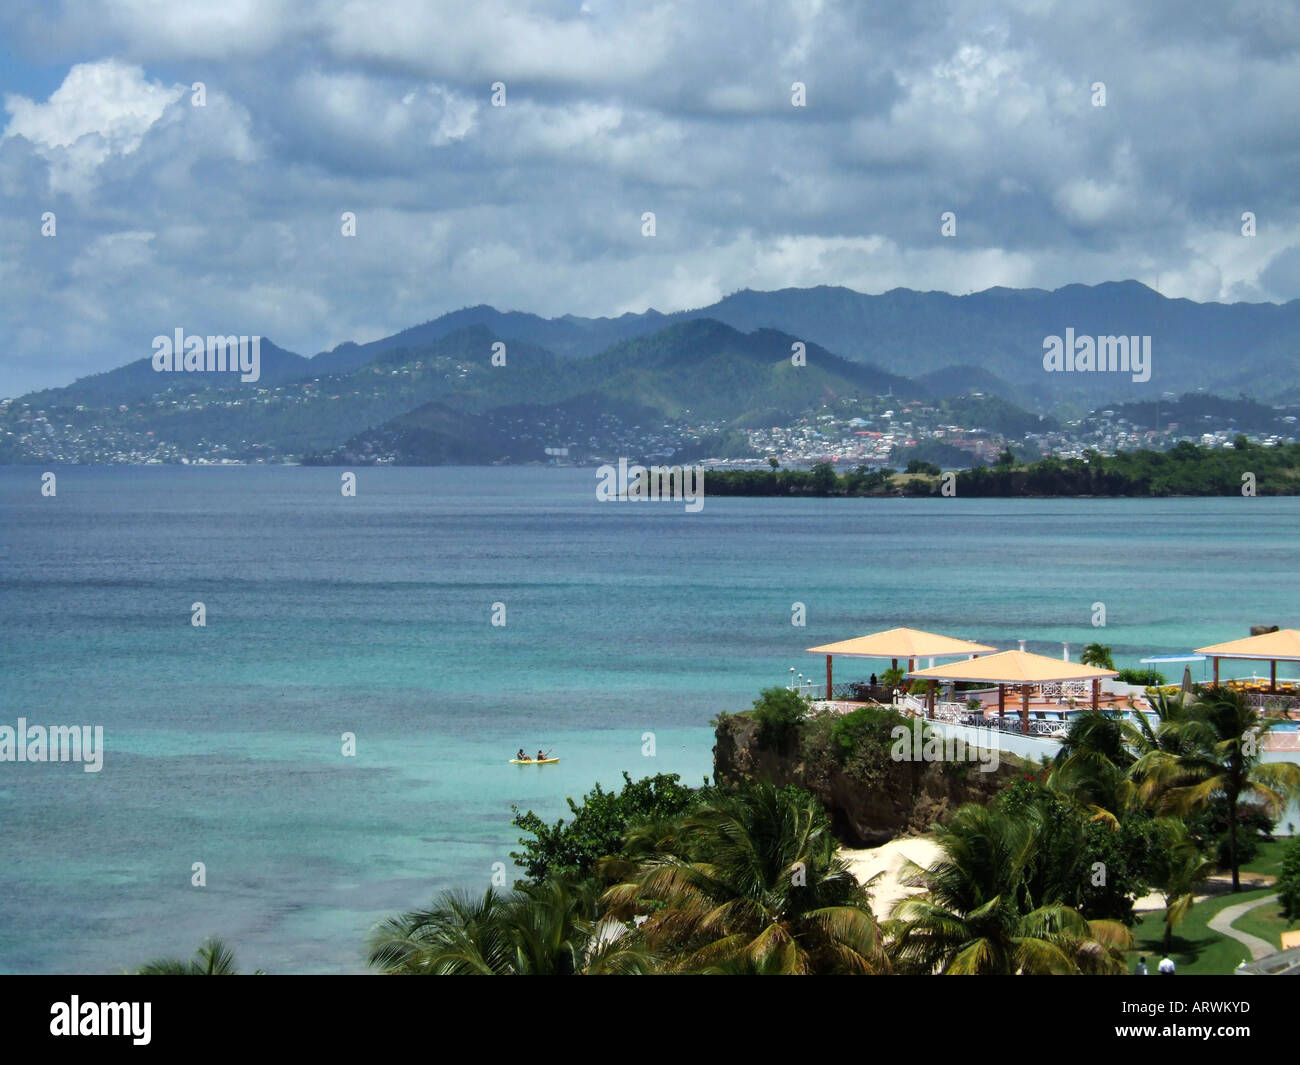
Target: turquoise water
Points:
(371, 615)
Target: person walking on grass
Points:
(1167, 966)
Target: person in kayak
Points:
(522, 757)
(540, 757)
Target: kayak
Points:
(534, 761)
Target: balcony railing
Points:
(849, 691)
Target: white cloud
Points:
(616, 107)
(102, 109)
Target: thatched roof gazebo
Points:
(1270, 647)
(1018, 669)
(908, 644)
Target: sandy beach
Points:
(866, 862)
(889, 859)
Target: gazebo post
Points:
(1280, 645)
(895, 646)
(1017, 670)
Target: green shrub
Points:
(779, 712)
(861, 742)
(1071, 844)
(598, 824)
(869, 726)
(1148, 678)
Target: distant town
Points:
(884, 431)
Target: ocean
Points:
(628, 626)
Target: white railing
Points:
(943, 711)
(1074, 688)
(951, 711)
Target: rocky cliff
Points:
(871, 801)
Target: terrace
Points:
(1045, 693)
(975, 690)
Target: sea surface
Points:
(628, 626)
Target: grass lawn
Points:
(1269, 859)
(1266, 922)
(1198, 950)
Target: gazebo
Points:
(909, 644)
(1019, 668)
(1270, 647)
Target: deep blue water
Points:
(371, 615)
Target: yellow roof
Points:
(1014, 667)
(1283, 645)
(902, 643)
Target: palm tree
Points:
(1097, 654)
(1179, 867)
(1220, 750)
(1161, 749)
(977, 916)
(1169, 709)
(1094, 762)
(548, 929)
(213, 958)
(458, 934)
(751, 882)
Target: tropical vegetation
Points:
(747, 877)
(213, 958)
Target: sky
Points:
(227, 217)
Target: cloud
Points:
(103, 108)
(227, 217)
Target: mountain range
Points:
(989, 341)
(433, 393)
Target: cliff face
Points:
(900, 797)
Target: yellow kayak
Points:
(533, 761)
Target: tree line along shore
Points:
(1187, 469)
